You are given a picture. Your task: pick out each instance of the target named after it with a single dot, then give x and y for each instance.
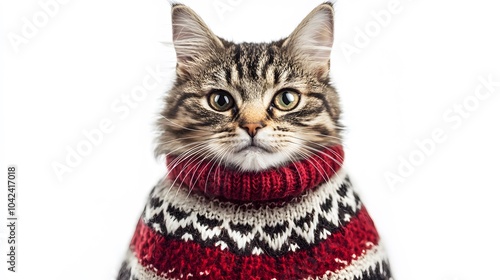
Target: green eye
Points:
(220, 101)
(286, 100)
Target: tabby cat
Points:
(255, 187)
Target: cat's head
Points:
(250, 106)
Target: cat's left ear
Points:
(312, 40)
(192, 38)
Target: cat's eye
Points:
(286, 100)
(220, 100)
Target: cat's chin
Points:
(256, 159)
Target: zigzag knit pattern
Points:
(300, 221)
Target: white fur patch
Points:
(267, 152)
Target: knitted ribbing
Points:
(276, 183)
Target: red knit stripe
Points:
(275, 183)
(174, 258)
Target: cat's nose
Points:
(252, 128)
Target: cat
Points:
(255, 187)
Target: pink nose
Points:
(252, 128)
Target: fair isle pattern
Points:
(326, 233)
(246, 229)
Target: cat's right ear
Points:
(192, 38)
(312, 40)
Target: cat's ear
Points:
(192, 38)
(312, 40)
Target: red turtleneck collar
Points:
(271, 184)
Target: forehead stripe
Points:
(237, 60)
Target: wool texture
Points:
(299, 221)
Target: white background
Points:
(441, 222)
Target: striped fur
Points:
(252, 73)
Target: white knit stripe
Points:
(245, 214)
(365, 264)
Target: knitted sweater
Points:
(299, 221)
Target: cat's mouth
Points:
(254, 148)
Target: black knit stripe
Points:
(124, 273)
(175, 220)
